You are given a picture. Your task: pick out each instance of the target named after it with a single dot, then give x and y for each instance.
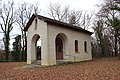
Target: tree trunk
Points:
(116, 49)
(103, 49)
(25, 47)
(6, 42)
(119, 47)
(6, 54)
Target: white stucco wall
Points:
(42, 32)
(71, 35)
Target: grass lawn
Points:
(97, 69)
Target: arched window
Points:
(35, 24)
(76, 46)
(85, 46)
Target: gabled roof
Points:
(55, 22)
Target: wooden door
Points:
(59, 48)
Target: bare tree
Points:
(82, 18)
(58, 12)
(98, 28)
(24, 12)
(8, 18)
(87, 20)
(117, 8)
(74, 17)
(111, 23)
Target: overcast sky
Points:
(77, 4)
(87, 5)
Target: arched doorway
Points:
(36, 47)
(59, 48)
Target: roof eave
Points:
(29, 22)
(56, 22)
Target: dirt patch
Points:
(98, 69)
